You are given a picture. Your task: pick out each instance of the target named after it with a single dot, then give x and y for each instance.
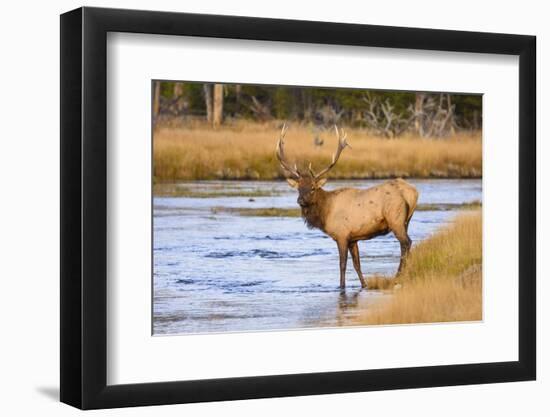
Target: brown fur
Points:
(315, 214)
(349, 215)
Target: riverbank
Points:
(245, 151)
(441, 282)
(296, 212)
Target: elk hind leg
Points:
(354, 251)
(405, 242)
(398, 223)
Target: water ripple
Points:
(263, 253)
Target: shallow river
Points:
(218, 271)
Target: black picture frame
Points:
(84, 207)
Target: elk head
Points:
(308, 184)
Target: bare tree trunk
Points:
(451, 115)
(178, 90)
(218, 105)
(475, 120)
(207, 89)
(418, 114)
(238, 91)
(156, 100)
(307, 109)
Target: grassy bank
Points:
(259, 212)
(441, 282)
(176, 190)
(247, 151)
(296, 212)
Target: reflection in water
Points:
(348, 300)
(216, 271)
(351, 304)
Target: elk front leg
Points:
(343, 251)
(354, 250)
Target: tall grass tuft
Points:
(441, 282)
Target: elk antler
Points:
(341, 135)
(281, 155)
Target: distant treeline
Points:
(384, 113)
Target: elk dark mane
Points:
(314, 215)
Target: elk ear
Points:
(320, 183)
(292, 183)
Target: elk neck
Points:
(314, 215)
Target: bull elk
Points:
(349, 215)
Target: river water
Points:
(218, 271)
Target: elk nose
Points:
(301, 201)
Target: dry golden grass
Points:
(246, 150)
(380, 282)
(441, 282)
(259, 212)
(433, 302)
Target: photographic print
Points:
(294, 207)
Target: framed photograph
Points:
(257, 208)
